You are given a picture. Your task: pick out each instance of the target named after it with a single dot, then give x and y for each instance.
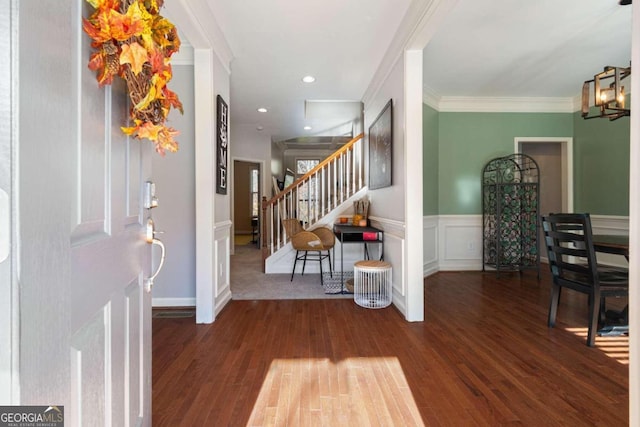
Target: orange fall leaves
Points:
(137, 46)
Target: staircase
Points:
(316, 197)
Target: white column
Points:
(205, 183)
(413, 184)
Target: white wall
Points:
(249, 144)
(176, 211)
(277, 160)
(388, 202)
(387, 208)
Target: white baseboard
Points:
(173, 302)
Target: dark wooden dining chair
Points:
(573, 264)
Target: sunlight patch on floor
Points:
(303, 392)
(615, 347)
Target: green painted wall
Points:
(467, 141)
(463, 143)
(601, 164)
(430, 160)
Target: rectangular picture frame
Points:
(381, 148)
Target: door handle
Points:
(150, 237)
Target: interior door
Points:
(83, 310)
(548, 156)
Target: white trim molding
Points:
(173, 302)
(420, 23)
(195, 20)
(460, 246)
(491, 104)
(454, 242)
(566, 148)
(221, 265)
(430, 245)
(505, 104)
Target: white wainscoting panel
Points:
(457, 241)
(222, 264)
(461, 242)
(430, 243)
(394, 253)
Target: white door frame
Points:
(261, 166)
(566, 150)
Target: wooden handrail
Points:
(320, 165)
(314, 195)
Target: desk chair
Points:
(573, 264)
(316, 241)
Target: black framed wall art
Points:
(380, 148)
(222, 145)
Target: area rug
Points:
(335, 285)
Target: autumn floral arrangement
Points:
(133, 41)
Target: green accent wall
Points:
(463, 143)
(469, 140)
(430, 161)
(601, 164)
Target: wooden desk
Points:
(352, 234)
(617, 245)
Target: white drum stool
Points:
(372, 284)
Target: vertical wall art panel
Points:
(222, 138)
(380, 148)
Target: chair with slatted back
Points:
(573, 264)
(316, 241)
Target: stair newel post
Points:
(265, 253)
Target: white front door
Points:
(83, 313)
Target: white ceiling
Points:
(526, 48)
(277, 42)
(486, 48)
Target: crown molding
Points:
(505, 104)
(430, 98)
(184, 56)
(420, 22)
(189, 16)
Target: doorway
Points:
(554, 157)
(246, 203)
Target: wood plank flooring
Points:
(483, 357)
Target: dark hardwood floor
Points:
(483, 357)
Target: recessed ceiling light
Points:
(307, 128)
(259, 127)
(308, 79)
(262, 110)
